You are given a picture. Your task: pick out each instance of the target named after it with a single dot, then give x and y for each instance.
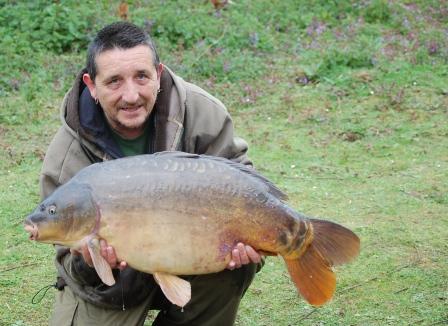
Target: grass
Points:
(344, 105)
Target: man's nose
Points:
(130, 93)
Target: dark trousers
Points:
(214, 301)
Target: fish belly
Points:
(191, 240)
(172, 243)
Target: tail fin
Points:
(337, 244)
(332, 244)
(312, 276)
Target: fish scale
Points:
(175, 213)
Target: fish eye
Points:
(52, 209)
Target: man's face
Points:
(126, 86)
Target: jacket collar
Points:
(94, 126)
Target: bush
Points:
(44, 25)
(377, 11)
(233, 44)
(32, 30)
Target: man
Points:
(127, 103)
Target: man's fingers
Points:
(84, 251)
(231, 265)
(108, 253)
(103, 248)
(242, 253)
(236, 258)
(253, 255)
(122, 265)
(111, 257)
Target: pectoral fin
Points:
(177, 290)
(101, 266)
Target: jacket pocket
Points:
(64, 309)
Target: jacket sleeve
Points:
(209, 128)
(47, 185)
(51, 171)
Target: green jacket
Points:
(184, 118)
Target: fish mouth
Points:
(31, 228)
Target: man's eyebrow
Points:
(116, 76)
(144, 71)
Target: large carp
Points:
(175, 213)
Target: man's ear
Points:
(90, 84)
(159, 70)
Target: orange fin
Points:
(313, 277)
(176, 289)
(336, 244)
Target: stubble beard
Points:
(128, 126)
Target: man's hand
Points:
(108, 253)
(242, 255)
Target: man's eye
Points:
(142, 76)
(113, 81)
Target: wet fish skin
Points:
(179, 214)
(65, 217)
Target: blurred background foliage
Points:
(240, 41)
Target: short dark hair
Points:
(121, 35)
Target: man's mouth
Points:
(132, 109)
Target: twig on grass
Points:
(15, 267)
(417, 322)
(401, 290)
(440, 322)
(358, 285)
(308, 314)
(377, 277)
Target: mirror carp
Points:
(174, 213)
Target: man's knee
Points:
(214, 298)
(71, 310)
(246, 276)
(237, 280)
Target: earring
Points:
(96, 101)
(158, 91)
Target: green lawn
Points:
(344, 105)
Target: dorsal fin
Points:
(271, 188)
